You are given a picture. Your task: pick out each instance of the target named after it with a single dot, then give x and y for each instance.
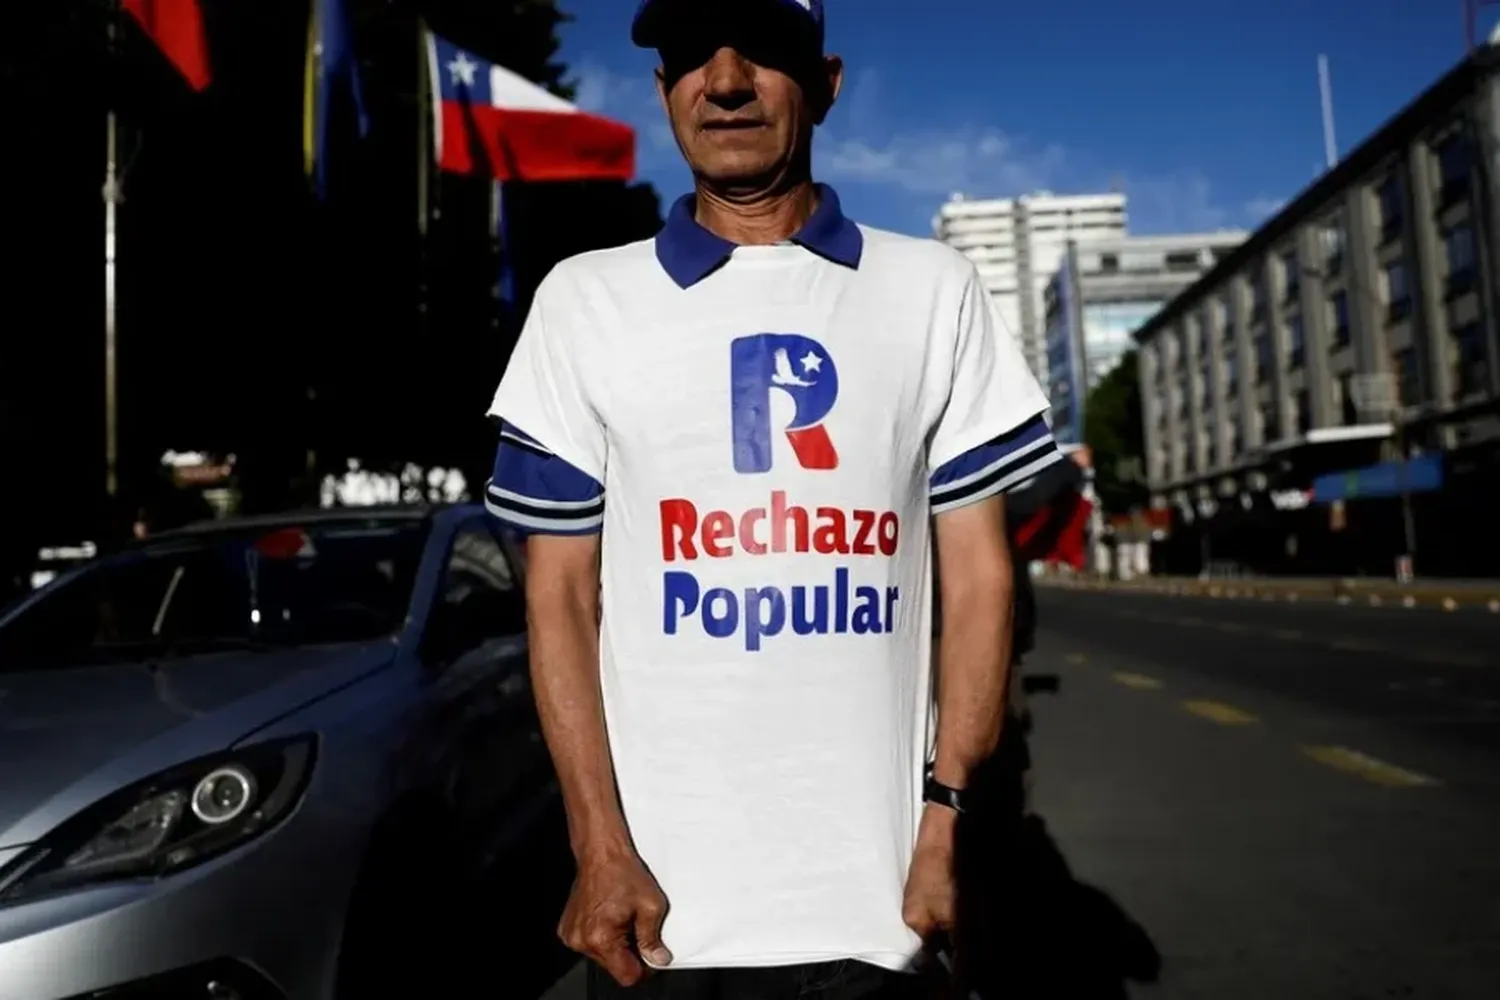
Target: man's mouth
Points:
(732, 124)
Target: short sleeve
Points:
(992, 435)
(537, 493)
(549, 465)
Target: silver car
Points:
(267, 759)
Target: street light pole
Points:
(1408, 521)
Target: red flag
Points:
(176, 26)
(1058, 533)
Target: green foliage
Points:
(1115, 433)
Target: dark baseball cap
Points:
(657, 20)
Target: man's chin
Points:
(740, 174)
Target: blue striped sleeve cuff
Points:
(537, 493)
(997, 466)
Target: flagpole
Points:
(112, 199)
(424, 129)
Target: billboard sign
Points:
(1066, 382)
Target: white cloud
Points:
(628, 98)
(974, 160)
(1258, 210)
(925, 165)
(1179, 202)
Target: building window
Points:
(1391, 213)
(1408, 379)
(1270, 423)
(1231, 374)
(1303, 415)
(1455, 161)
(1291, 277)
(1397, 294)
(1471, 374)
(1258, 294)
(1109, 263)
(1208, 374)
(1296, 346)
(1343, 400)
(1331, 236)
(1231, 443)
(1339, 305)
(1265, 358)
(1458, 242)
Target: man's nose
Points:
(730, 80)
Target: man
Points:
(733, 436)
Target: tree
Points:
(1115, 432)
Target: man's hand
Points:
(614, 916)
(931, 902)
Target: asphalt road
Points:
(1255, 799)
(1290, 800)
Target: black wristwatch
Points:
(935, 791)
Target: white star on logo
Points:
(462, 70)
(811, 362)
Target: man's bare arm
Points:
(615, 911)
(562, 607)
(977, 590)
(974, 583)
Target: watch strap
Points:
(944, 795)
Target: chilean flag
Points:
(488, 120)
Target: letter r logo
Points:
(799, 367)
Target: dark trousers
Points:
(845, 980)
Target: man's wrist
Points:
(601, 842)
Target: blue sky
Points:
(1205, 112)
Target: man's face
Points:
(743, 103)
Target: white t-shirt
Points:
(761, 433)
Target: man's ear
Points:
(832, 80)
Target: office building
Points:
(1324, 400)
(1100, 295)
(1017, 244)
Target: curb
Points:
(1374, 593)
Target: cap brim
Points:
(659, 21)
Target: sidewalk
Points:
(1447, 594)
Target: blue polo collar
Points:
(689, 253)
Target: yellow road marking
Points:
(1138, 681)
(1077, 658)
(1217, 711)
(1369, 768)
(1449, 659)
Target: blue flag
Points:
(332, 71)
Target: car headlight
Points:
(171, 821)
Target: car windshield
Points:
(223, 590)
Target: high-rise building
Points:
(1018, 243)
(1101, 294)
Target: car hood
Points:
(70, 736)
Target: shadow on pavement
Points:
(1027, 927)
(509, 940)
